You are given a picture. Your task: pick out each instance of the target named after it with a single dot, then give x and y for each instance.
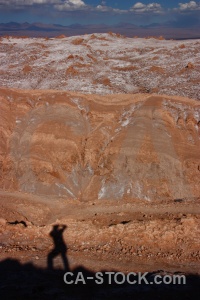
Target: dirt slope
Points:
(89, 147)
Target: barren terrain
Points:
(89, 147)
(117, 166)
(102, 64)
(100, 236)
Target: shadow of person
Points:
(60, 247)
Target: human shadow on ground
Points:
(26, 281)
(60, 247)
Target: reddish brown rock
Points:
(90, 147)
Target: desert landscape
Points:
(99, 164)
(102, 64)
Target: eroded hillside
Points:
(102, 64)
(116, 167)
(93, 147)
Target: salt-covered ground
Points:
(102, 64)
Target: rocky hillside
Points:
(100, 147)
(102, 64)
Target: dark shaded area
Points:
(178, 200)
(26, 281)
(18, 222)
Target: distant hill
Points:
(168, 30)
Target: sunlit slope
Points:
(100, 147)
(102, 64)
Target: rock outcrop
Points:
(99, 147)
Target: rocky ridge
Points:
(102, 64)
